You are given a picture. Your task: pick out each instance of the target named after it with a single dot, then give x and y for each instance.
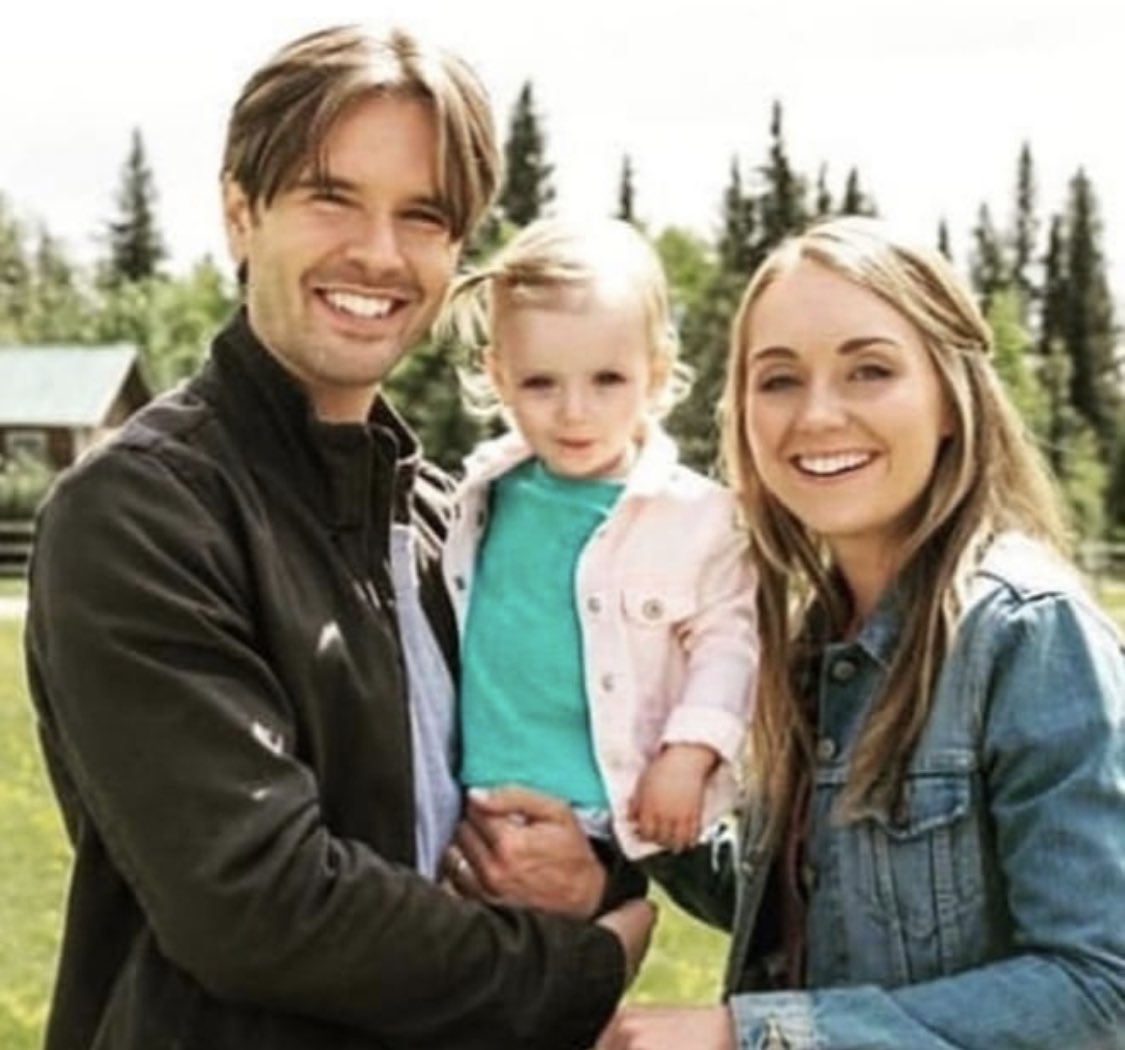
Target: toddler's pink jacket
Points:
(665, 598)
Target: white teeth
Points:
(368, 306)
(836, 463)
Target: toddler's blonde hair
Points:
(544, 262)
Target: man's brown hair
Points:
(288, 108)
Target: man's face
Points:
(346, 272)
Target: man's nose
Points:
(376, 242)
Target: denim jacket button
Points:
(826, 749)
(594, 604)
(607, 683)
(843, 670)
(652, 609)
(459, 582)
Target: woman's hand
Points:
(669, 1028)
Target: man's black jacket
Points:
(213, 655)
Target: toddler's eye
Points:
(536, 383)
(609, 378)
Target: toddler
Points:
(602, 589)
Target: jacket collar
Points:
(880, 634)
(340, 466)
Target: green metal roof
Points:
(61, 386)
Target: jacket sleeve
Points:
(1054, 749)
(720, 639)
(185, 756)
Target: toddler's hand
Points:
(667, 805)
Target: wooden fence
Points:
(15, 547)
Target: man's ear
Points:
(238, 217)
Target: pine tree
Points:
(1014, 360)
(705, 336)
(626, 192)
(1055, 367)
(1071, 445)
(136, 248)
(1087, 322)
(823, 193)
(426, 389)
(782, 202)
(705, 328)
(943, 244)
(738, 237)
(855, 200)
(1054, 292)
(988, 268)
(527, 186)
(1025, 233)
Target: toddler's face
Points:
(578, 377)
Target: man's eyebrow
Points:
(324, 181)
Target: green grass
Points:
(12, 587)
(683, 965)
(35, 861)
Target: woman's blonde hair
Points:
(989, 477)
(544, 262)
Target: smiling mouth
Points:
(363, 307)
(833, 465)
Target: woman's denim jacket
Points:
(988, 912)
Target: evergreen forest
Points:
(1039, 271)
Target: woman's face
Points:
(844, 410)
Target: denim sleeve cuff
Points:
(774, 1021)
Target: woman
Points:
(934, 850)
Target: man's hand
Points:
(520, 847)
(633, 923)
(669, 1028)
(667, 805)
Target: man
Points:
(236, 630)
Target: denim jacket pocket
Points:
(919, 874)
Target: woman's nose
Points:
(821, 406)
